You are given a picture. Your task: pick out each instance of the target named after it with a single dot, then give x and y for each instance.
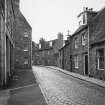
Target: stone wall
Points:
(23, 42)
(80, 51)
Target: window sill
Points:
(76, 47)
(100, 69)
(76, 67)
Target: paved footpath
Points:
(22, 90)
(83, 77)
(61, 89)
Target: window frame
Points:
(51, 44)
(76, 61)
(26, 49)
(84, 39)
(26, 34)
(98, 58)
(76, 42)
(26, 60)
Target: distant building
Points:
(44, 57)
(65, 55)
(35, 47)
(23, 40)
(48, 53)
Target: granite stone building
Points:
(65, 55)
(97, 45)
(48, 53)
(7, 18)
(15, 40)
(44, 57)
(87, 46)
(23, 40)
(80, 43)
(35, 48)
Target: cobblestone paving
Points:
(60, 89)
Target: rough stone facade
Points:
(97, 44)
(80, 51)
(15, 40)
(23, 42)
(6, 40)
(44, 57)
(64, 55)
(81, 44)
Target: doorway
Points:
(86, 64)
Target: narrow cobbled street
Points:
(62, 89)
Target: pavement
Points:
(22, 89)
(82, 77)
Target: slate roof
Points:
(79, 29)
(98, 28)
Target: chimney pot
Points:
(85, 8)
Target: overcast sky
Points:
(48, 17)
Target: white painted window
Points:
(83, 19)
(76, 61)
(76, 42)
(51, 44)
(26, 62)
(39, 45)
(26, 49)
(100, 59)
(84, 39)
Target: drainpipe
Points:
(5, 41)
(31, 48)
(88, 49)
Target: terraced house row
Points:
(47, 52)
(84, 50)
(11, 20)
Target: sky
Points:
(48, 17)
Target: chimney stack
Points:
(85, 8)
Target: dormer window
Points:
(83, 18)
